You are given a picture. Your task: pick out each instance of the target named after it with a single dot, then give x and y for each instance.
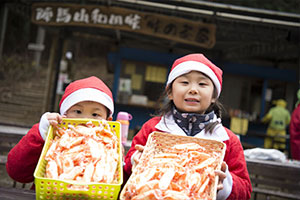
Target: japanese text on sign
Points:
(64, 16)
(171, 28)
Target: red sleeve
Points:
(295, 133)
(140, 138)
(234, 157)
(23, 158)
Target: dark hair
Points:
(168, 104)
(108, 113)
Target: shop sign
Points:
(168, 27)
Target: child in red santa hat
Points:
(192, 90)
(84, 98)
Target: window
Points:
(141, 83)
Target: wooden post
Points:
(39, 41)
(49, 77)
(3, 27)
(59, 50)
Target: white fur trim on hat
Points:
(87, 94)
(187, 66)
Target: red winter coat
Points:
(240, 186)
(295, 133)
(23, 158)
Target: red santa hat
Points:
(87, 89)
(196, 62)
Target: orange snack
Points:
(85, 153)
(176, 167)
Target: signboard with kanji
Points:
(168, 27)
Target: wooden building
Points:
(131, 45)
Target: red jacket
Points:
(295, 133)
(23, 158)
(240, 187)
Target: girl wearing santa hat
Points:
(84, 98)
(192, 108)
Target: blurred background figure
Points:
(278, 118)
(295, 130)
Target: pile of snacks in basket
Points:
(176, 167)
(81, 159)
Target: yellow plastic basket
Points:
(47, 188)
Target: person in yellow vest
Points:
(278, 118)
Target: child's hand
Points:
(222, 175)
(138, 154)
(48, 119)
(54, 118)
